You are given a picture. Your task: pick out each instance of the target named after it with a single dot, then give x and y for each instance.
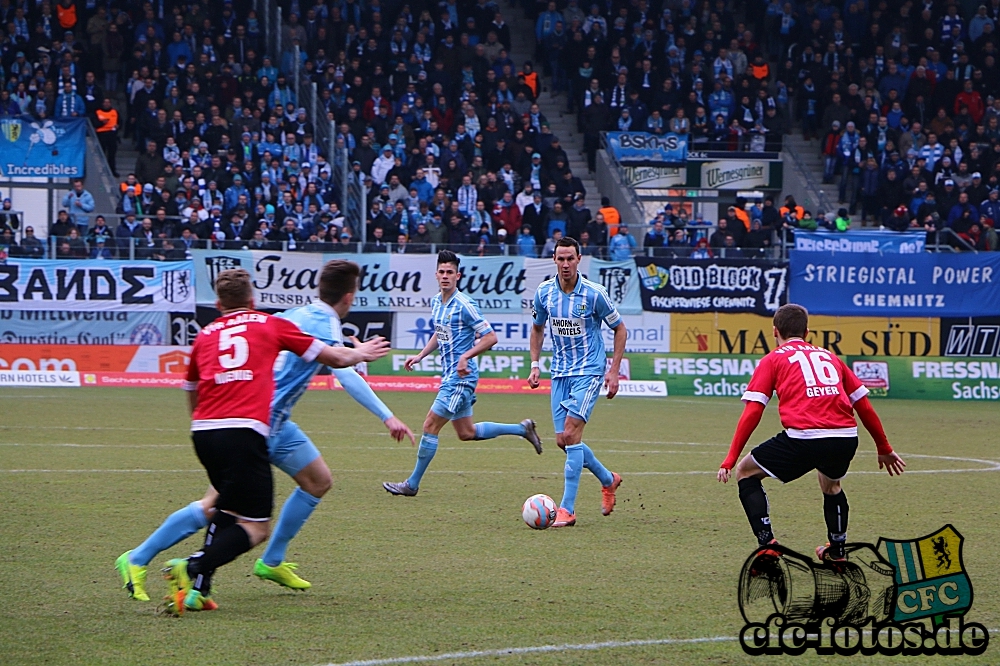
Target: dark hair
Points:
(338, 278)
(448, 257)
(792, 321)
(569, 241)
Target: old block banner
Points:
(711, 285)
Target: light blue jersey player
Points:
(460, 335)
(575, 308)
(289, 449)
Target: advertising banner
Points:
(97, 286)
(932, 378)
(499, 285)
(649, 332)
(714, 375)
(976, 337)
(902, 285)
(667, 148)
(720, 333)
(33, 148)
(861, 242)
(69, 327)
(735, 175)
(654, 177)
(711, 285)
(40, 378)
(92, 358)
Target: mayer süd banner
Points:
(711, 285)
(896, 285)
(32, 148)
(97, 286)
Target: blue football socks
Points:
(294, 514)
(178, 526)
(574, 468)
(489, 430)
(425, 453)
(591, 462)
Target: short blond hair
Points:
(234, 289)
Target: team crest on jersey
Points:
(931, 580)
(581, 308)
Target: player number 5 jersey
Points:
(816, 390)
(231, 367)
(575, 325)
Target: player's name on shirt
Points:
(817, 391)
(234, 376)
(239, 318)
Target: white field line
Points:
(540, 649)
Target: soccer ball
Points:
(538, 512)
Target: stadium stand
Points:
(322, 126)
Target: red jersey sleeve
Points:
(294, 340)
(853, 388)
(191, 382)
(762, 383)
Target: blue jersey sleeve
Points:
(472, 317)
(538, 313)
(606, 310)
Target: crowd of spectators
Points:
(434, 122)
(904, 99)
(442, 131)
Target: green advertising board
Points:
(929, 377)
(722, 375)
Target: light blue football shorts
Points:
(290, 450)
(574, 396)
(455, 400)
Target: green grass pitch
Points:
(453, 569)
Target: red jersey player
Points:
(818, 395)
(231, 382)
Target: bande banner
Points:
(898, 285)
(712, 285)
(105, 286)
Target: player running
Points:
(575, 307)
(817, 397)
(457, 322)
(289, 448)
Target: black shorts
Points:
(237, 465)
(786, 458)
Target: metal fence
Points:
(176, 249)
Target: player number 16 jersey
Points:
(816, 390)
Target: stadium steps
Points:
(805, 156)
(562, 124)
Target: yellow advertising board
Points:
(719, 333)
